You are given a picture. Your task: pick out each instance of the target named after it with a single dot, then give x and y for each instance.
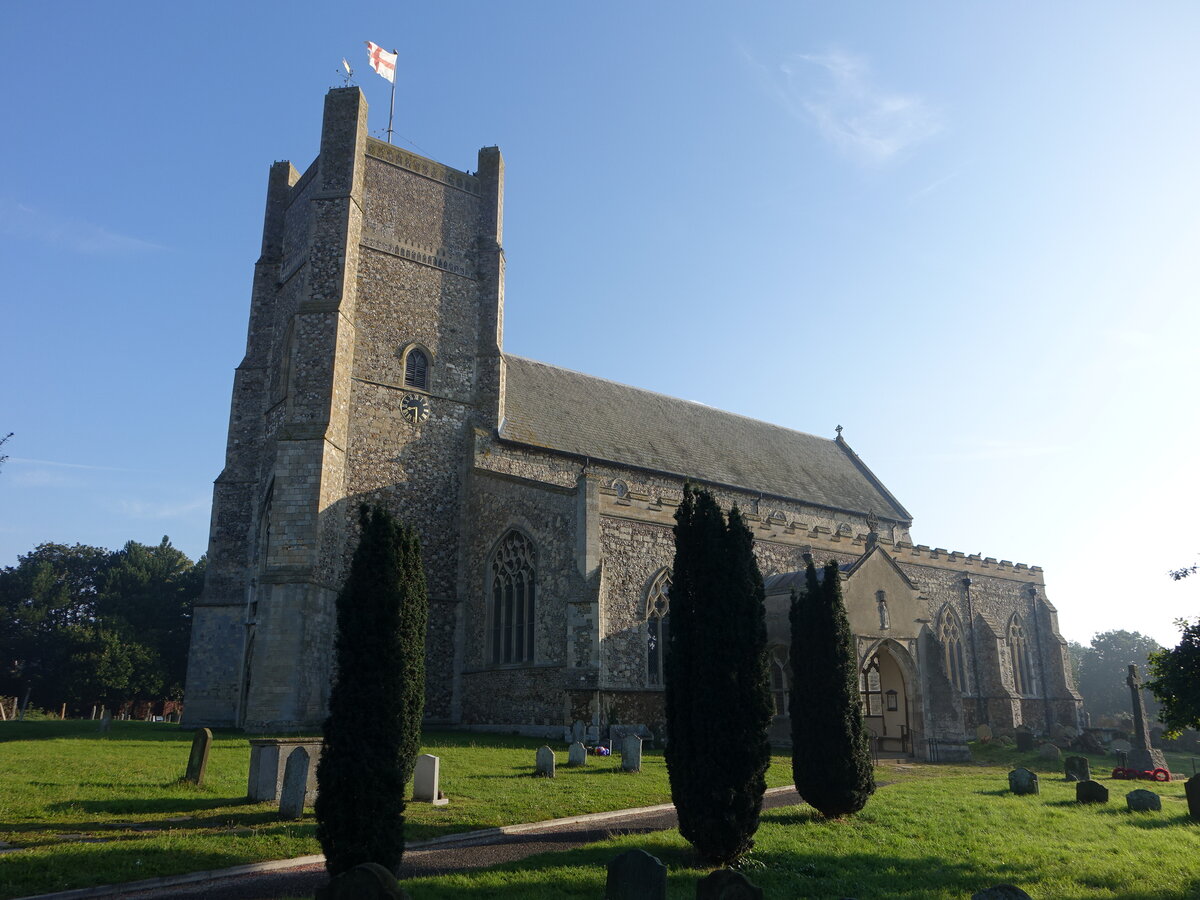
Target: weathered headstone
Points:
(1091, 792)
(636, 875)
(983, 733)
(545, 762)
(106, 721)
(578, 731)
(1001, 892)
(366, 881)
(426, 779)
(577, 754)
(198, 759)
(295, 784)
(268, 758)
(726, 884)
(1022, 781)
(631, 753)
(1191, 788)
(1143, 800)
(1049, 751)
(1024, 740)
(1143, 755)
(1077, 768)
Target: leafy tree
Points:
(831, 758)
(1104, 667)
(373, 731)
(718, 701)
(1175, 680)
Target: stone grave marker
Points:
(1049, 751)
(1142, 800)
(1022, 781)
(198, 760)
(105, 722)
(295, 784)
(578, 731)
(983, 733)
(726, 884)
(1024, 739)
(577, 754)
(1001, 892)
(1191, 788)
(426, 781)
(1077, 768)
(636, 875)
(631, 753)
(545, 762)
(1091, 792)
(268, 758)
(1143, 755)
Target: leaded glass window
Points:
(658, 626)
(952, 651)
(513, 594)
(1018, 649)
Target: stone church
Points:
(375, 371)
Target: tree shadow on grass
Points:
(148, 806)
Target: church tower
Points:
(373, 355)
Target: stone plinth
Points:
(268, 760)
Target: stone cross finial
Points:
(839, 431)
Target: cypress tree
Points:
(373, 732)
(718, 701)
(831, 758)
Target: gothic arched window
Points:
(658, 626)
(780, 689)
(513, 578)
(952, 650)
(1018, 649)
(416, 369)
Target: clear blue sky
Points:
(968, 233)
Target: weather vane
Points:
(348, 75)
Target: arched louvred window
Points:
(952, 650)
(416, 369)
(1022, 666)
(513, 595)
(658, 626)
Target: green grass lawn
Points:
(88, 809)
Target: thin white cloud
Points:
(22, 460)
(20, 221)
(41, 478)
(835, 93)
(140, 509)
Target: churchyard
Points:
(78, 808)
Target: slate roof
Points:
(557, 409)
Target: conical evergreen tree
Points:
(718, 701)
(831, 758)
(372, 735)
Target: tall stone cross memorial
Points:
(1141, 756)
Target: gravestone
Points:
(1077, 768)
(1091, 792)
(1022, 781)
(578, 731)
(1142, 755)
(1191, 788)
(295, 785)
(106, 722)
(1024, 740)
(198, 760)
(1001, 892)
(268, 758)
(636, 875)
(726, 884)
(545, 763)
(366, 881)
(577, 755)
(426, 779)
(631, 753)
(1142, 800)
(1049, 751)
(983, 733)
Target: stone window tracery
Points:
(871, 688)
(513, 594)
(1018, 649)
(658, 626)
(952, 650)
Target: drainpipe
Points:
(980, 706)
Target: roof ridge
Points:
(641, 390)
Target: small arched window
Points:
(658, 626)
(1018, 649)
(416, 369)
(952, 650)
(513, 592)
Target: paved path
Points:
(456, 853)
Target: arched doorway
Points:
(886, 707)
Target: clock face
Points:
(414, 408)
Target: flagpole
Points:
(392, 110)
